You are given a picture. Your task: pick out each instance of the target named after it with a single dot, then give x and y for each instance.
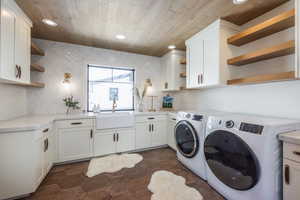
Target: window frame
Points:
(112, 68)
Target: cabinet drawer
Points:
(148, 118)
(291, 152)
(74, 123)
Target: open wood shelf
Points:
(264, 54)
(271, 26)
(183, 61)
(263, 78)
(35, 50)
(36, 67)
(183, 74)
(33, 84)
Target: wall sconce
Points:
(67, 80)
(148, 83)
(67, 77)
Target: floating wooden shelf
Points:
(35, 50)
(264, 54)
(263, 78)
(183, 61)
(271, 26)
(33, 84)
(183, 74)
(36, 67)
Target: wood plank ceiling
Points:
(149, 25)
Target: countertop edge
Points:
(50, 119)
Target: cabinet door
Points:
(171, 138)
(291, 180)
(104, 143)
(125, 140)
(22, 49)
(195, 62)
(74, 144)
(211, 58)
(40, 160)
(7, 65)
(159, 133)
(49, 153)
(142, 135)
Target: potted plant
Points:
(71, 104)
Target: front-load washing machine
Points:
(189, 137)
(244, 156)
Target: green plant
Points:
(71, 103)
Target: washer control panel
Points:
(251, 128)
(229, 124)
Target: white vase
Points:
(141, 107)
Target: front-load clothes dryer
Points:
(243, 156)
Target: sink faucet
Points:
(114, 105)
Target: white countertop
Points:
(35, 122)
(293, 137)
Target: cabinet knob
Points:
(297, 153)
(91, 133)
(76, 123)
(20, 75)
(287, 174)
(46, 130)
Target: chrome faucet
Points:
(114, 105)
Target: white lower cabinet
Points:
(143, 135)
(104, 142)
(125, 140)
(151, 131)
(291, 171)
(291, 180)
(114, 141)
(171, 130)
(75, 143)
(26, 160)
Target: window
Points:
(106, 84)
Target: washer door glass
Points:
(231, 160)
(186, 139)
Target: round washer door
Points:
(186, 139)
(231, 160)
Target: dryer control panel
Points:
(251, 128)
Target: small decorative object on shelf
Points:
(71, 104)
(167, 102)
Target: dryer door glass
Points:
(231, 160)
(186, 139)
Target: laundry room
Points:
(150, 99)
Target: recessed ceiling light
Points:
(49, 22)
(239, 1)
(172, 47)
(120, 37)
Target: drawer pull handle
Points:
(46, 130)
(76, 123)
(173, 119)
(150, 118)
(297, 153)
(287, 174)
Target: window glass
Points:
(108, 84)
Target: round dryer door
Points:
(231, 160)
(186, 139)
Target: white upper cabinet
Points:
(171, 70)
(15, 43)
(207, 53)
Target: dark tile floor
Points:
(68, 182)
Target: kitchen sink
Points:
(114, 120)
